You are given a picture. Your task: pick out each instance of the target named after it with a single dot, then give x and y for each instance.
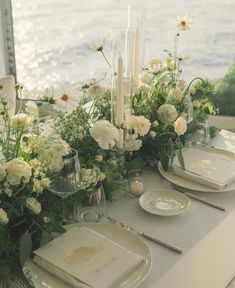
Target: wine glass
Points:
(68, 180)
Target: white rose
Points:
(104, 133)
(21, 121)
(180, 126)
(17, 169)
(175, 94)
(167, 113)
(33, 205)
(3, 217)
(140, 124)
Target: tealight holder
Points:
(136, 182)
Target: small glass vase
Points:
(92, 205)
(200, 137)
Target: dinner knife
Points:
(202, 200)
(144, 235)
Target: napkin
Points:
(213, 170)
(84, 258)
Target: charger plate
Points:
(194, 186)
(39, 278)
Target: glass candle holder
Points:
(136, 182)
(136, 20)
(122, 75)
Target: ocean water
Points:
(52, 36)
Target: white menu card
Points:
(85, 258)
(210, 169)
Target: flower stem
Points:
(105, 58)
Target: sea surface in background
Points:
(52, 36)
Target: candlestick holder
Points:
(122, 79)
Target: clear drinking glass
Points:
(68, 180)
(92, 206)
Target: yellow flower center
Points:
(183, 23)
(64, 97)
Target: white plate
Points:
(164, 202)
(39, 278)
(193, 186)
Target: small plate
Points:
(164, 202)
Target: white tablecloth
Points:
(206, 236)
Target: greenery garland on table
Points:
(165, 111)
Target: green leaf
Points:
(137, 163)
(25, 247)
(46, 237)
(181, 158)
(5, 272)
(55, 227)
(164, 159)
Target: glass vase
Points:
(122, 81)
(201, 136)
(136, 20)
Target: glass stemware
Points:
(68, 180)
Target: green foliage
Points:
(224, 98)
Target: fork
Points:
(199, 199)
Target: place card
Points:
(85, 258)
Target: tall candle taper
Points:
(120, 100)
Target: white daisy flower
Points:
(66, 98)
(184, 22)
(98, 45)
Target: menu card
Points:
(84, 258)
(210, 169)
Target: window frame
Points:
(7, 47)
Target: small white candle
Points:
(136, 187)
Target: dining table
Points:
(205, 235)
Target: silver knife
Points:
(144, 235)
(202, 200)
